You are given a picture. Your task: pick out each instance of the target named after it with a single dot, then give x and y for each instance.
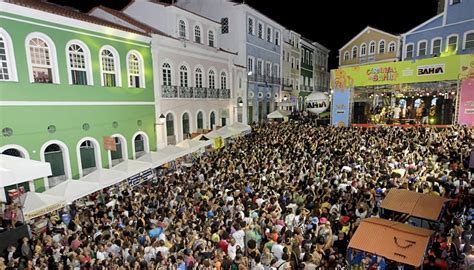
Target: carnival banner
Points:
(466, 103)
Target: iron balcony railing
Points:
(182, 92)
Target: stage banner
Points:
(340, 107)
(466, 103)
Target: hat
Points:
(344, 220)
(323, 220)
(315, 220)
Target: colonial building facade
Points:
(68, 80)
(321, 71)
(290, 61)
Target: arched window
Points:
(198, 78)
(41, 61)
(166, 69)
(110, 68)
(346, 56)
(372, 47)
(7, 59)
(197, 34)
(13, 152)
(169, 124)
(54, 155)
(223, 80)
(88, 158)
(391, 47)
(363, 49)
(185, 125)
(183, 76)
(212, 78)
(354, 52)
(212, 120)
(382, 46)
(210, 38)
(135, 71)
(139, 146)
(117, 156)
(79, 62)
(182, 29)
(200, 120)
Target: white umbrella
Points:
(15, 170)
(38, 204)
(72, 190)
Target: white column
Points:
(160, 135)
(32, 186)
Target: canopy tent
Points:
(222, 132)
(278, 114)
(201, 137)
(240, 127)
(174, 152)
(72, 190)
(393, 240)
(38, 204)
(16, 170)
(415, 204)
(193, 145)
(132, 167)
(104, 177)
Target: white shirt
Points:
(239, 238)
(396, 112)
(100, 256)
(232, 251)
(164, 251)
(277, 251)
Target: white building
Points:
(193, 77)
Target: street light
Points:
(162, 119)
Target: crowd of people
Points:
(286, 196)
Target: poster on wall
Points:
(466, 103)
(340, 107)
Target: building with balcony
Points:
(193, 75)
(290, 62)
(321, 71)
(370, 46)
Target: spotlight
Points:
(452, 93)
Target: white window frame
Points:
(118, 70)
(298, 63)
(53, 55)
(226, 76)
(214, 79)
(258, 30)
(141, 65)
(464, 39)
(253, 25)
(384, 46)
(363, 46)
(196, 78)
(352, 52)
(418, 47)
(187, 71)
(370, 47)
(457, 41)
(451, 2)
(277, 70)
(261, 65)
(292, 62)
(252, 68)
(162, 73)
(268, 68)
(406, 50)
(201, 38)
(10, 55)
(346, 53)
(87, 61)
(186, 34)
(213, 38)
(394, 47)
(277, 38)
(269, 36)
(440, 45)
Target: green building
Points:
(67, 80)
(307, 70)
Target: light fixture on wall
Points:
(161, 120)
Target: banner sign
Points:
(466, 103)
(135, 180)
(109, 143)
(340, 107)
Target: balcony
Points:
(264, 79)
(306, 88)
(287, 87)
(181, 92)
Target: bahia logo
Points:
(436, 69)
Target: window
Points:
(436, 46)
(298, 64)
(307, 57)
(292, 61)
(200, 121)
(354, 52)
(409, 51)
(223, 80)
(277, 38)
(372, 47)
(198, 78)
(183, 76)
(182, 29)
(422, 48)
(166, 69)
(169, 125)
(197, 34)
(391, 47)
(346, 56)
(78, 65)
(185, 121)
(250, 67)
(363, 49)
(468, 40)
(7, 59)
(453, 2)
(260, 30)
(41, 62)
(382, 46)
(269, 34)
(260, 67)
(110, 69)
(211, 38)
(251, 26)
(268, 69)
(135, 71)
(276, 73)
(212, 79)
(452, 43)
(225, 25)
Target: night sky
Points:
(331, 23)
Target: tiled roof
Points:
(70, 13)
(145, 27)
(414, 204)
(393, 240)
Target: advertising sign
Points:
(109, 143)
(340, 107)
(466, 103)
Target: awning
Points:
(415, 204)
(38, 204)
(72, 190)
(240, 127)
(104, 177)
(132, 167)
(393, 240)
(278, 114)
(192, 145)
(15, 170)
